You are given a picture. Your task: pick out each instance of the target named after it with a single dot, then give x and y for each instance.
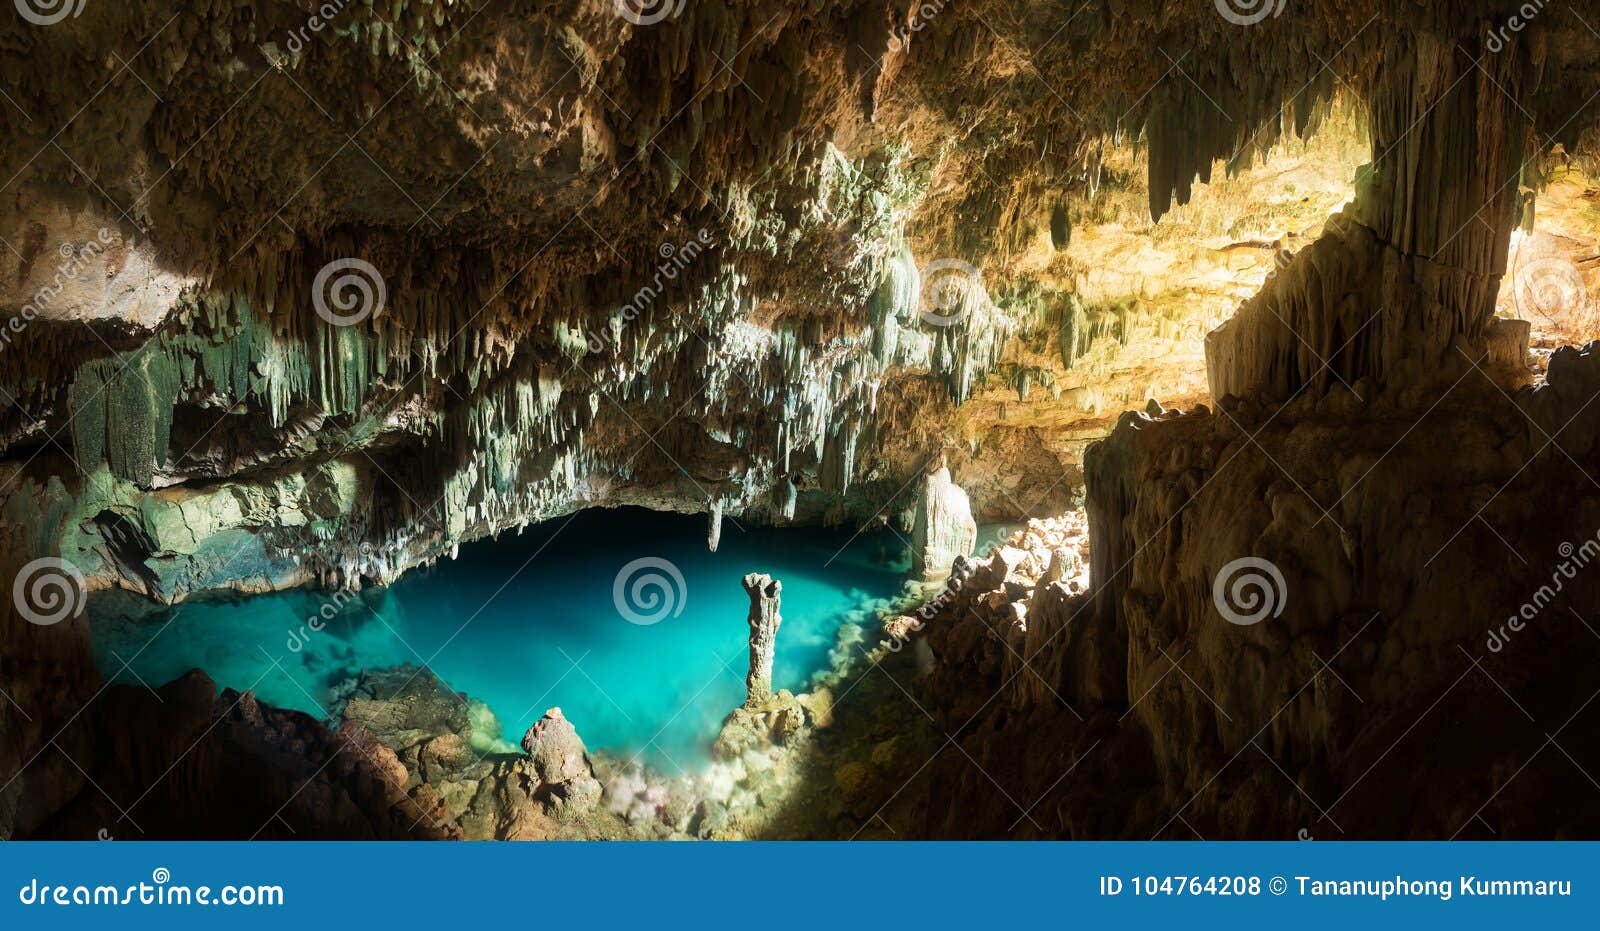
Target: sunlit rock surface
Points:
(944, 528)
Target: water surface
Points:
(530, 622)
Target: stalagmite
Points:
(787, 496)
(944, 527)
(764, 622)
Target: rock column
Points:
(561, 761)
(764, 622)
(944, 527)
(1402, 284)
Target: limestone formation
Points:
(1404, 282)
(561, 760)
(944, 528)
(557, 751)
(714, 526)
(766, 263)
(764, 619)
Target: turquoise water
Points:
(530, 622)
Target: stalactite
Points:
(714, 526)
(786, 496)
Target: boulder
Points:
(558, 752)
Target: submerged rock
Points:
(403, 705)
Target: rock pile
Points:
(1045, 561)
(455, 768)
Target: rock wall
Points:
(1410, 272)
(1248, 664)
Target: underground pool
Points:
(568, 614)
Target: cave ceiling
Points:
(1118, 176)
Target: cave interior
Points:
(1262, 331)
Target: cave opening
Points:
(1553, 265)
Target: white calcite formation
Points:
(944, 527)
(1410, 271)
